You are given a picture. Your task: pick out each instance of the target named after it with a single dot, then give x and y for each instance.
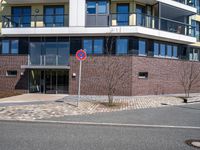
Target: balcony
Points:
(35, 21)
(187, 2)
(143, 20)
(48, 55)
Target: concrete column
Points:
(77, 13)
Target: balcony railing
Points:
(144, 20)
(35, 21)
(47, 60)
(187, 2)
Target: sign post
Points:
(81, 56)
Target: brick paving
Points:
(87, 105)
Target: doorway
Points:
(49, 81)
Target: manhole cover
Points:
(194, 143)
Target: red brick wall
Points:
(163, 76)
(20, 82)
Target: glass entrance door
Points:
(50, 82)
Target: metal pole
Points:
(79, 83)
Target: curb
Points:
(101, 124)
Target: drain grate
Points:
(193, 143)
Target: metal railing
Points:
(13, 21)
(144, 20)
(187, 2)
(47, 60)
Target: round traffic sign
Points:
(81, 55)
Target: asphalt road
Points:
(56, 136)
(185, 115)
(43, 136)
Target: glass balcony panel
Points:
(51, 53)
(35, 53)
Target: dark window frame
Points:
(143, 75)
(22, 15)
(9, 73)
(93, 39)
(54, 14)
(10, 46)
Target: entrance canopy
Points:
(44, 67)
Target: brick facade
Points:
(20, 82)
(162, 75)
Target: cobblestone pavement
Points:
(87, 105)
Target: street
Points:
(61, 136)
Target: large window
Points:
(5, 46)
(21, 16)
(10, 46)
(122, 46)
(194, 54)
(88, 44)
(102, 9)
(162, 50)
(91, 7)
(156, 49)
(98, 46)
(97, 7)
(165, 50)
(122, 14)
(14, 46)
(54, 16)
(142, 47)
(169, 51)
(93, 46)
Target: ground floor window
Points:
(165, 50)
(121, 46)
(10, 46)
(194, 54)
(93, 46)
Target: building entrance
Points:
(49, 81)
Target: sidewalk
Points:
(24, 98)
(88, 105)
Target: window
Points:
(194, 54)
(165, 50)
(102, 9)
(156, 49)
(142, 47)
(21, 16)
(98, 46)
(54, 16)
(87, 44)
(91, 7)
(143, 75)
(162, 49)
(122, 14)
(14, 46)
(169, 51)
(122, 46)
(93, 46)
(140, 19)
(11, 73)
(10, 46)
(175, 51)
(5, 46)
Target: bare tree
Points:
(189, 76)
(116, 71)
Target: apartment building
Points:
(39, 40)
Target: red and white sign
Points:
(81, 55)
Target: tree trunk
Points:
(110, 99)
